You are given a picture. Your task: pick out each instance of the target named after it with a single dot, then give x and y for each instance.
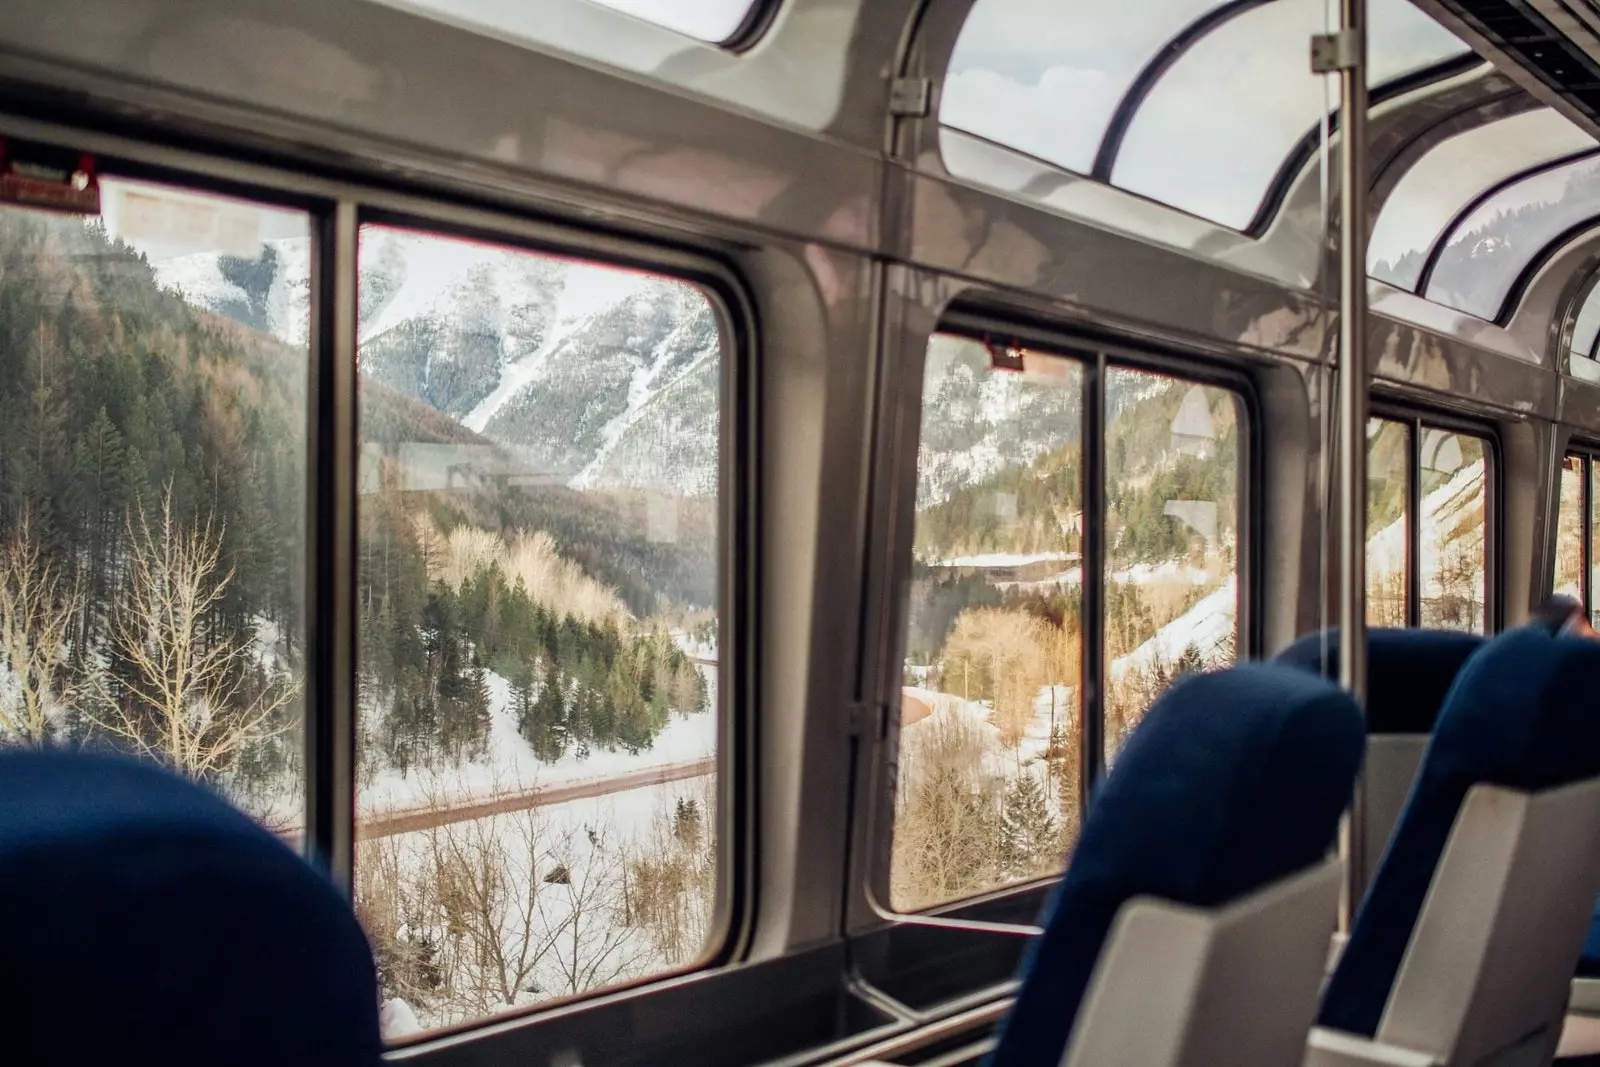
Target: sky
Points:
(1045, 76)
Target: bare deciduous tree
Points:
(594, 945)
(474, 917)
(37, 609)
(1003, 651)
(187, 700)
(671, 877)
(946, 831)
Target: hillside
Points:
(591, 376)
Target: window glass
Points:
(1217, 128)
(1587, 326)
(1172, 534)
(538, 625)
(1388, 537)
(1569, 529)
(989, 753)
(153, 377)
(1490, 248)
(1594, 534)
(712, 21)
(1018, 63)
(1454, 487)
(1446, 179)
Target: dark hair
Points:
(1556, 612)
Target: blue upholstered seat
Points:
(1520, 715)
(147, 921)
(1233, 781)
(1589, 961)
(1409, 672)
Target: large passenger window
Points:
(1576, 526)
(153, 374)
(1388, 526)
(1427, 526)
(1172, 461)
(991, 759)
(538, 582)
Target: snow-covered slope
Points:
(595, 375)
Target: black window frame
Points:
(1588, 457)
(1097, 353)
(337, 205)
(1417, 419)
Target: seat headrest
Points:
(1232, 781)
(1520, 715)
(1409, 672)
(149, 921)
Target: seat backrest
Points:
(1517, 716)
(1193, 987)
(1232, 781)
(1409, 673)
(151, 922)
(1486, 972)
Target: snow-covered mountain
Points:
(595, 376)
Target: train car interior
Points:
(800, 533)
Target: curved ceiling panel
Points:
(1445, 181)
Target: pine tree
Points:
(1030, 836)
(1191, 662)
(686, 822)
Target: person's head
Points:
(1562, 614)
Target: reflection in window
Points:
(1445, 180)
(538, 591)
(153, 372)
(1570, 518)
(1388, 518)
(1491, 247)
(1454, 472)
(989, 754)
(1172, 536)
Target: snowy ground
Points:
(574, 928)
(1207, 626)
(511, 766)
(1443, 512)
(1000, 760)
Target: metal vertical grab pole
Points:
(1346, 52)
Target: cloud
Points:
(1044, 76)
(1060, 118)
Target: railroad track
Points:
(411, 820)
